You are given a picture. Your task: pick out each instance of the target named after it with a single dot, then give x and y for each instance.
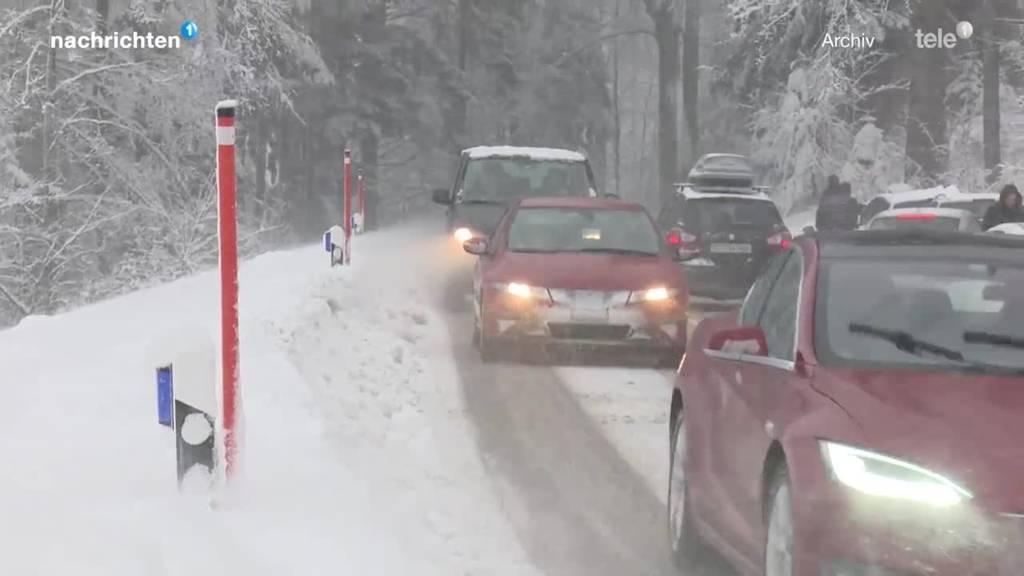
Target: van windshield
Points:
(507, 179)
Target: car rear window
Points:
(710, 214)
(915, 203)
(507, 179)
(583, 230)
(921, 313)
(935, 224)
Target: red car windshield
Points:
(924, 315)
(583, 230)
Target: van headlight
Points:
(880, 475)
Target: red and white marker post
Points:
(228, 243)
(346, 212)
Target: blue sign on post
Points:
(327, 241)
(165, 396)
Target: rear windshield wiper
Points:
(620, 251)
(994, 339)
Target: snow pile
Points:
(356, 460)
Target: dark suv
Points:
(729, 233)
(489, 178)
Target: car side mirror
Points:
(475, 246)
(442, 196)
(748, 340)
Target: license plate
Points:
(589, 301)
(731, 248)
(589, 306)
(584, 315)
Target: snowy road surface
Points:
(375, 442)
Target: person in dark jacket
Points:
(838, 210)
(1008, 209)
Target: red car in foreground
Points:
(862, 414)
(578, 272)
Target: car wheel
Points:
(686, 547)
(778, 549)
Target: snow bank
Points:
(356, 459)
(554, 154)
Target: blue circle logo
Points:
(189, 30)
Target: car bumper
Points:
(843, 533)
(627, 328)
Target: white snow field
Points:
(357, 456)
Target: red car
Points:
(861, 414)
(582, 272)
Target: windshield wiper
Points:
(619, 251)
(907, 342)
(994, 339)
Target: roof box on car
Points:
(722, 171)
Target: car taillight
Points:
(781, 240)
(917, 216)
(678, 237)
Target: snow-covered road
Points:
(376, 442)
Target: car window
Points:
(714, 214)
(582, 230)
(753, 304)
(506, 179)
(915, 203)
(778, 320)
(873, 312)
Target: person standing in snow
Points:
(837, 210)
(1008, 209)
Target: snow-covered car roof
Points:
(688, 191)
(959, 196)
(551, 154)
(1011, 228)
(916, 195)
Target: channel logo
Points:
(189, 30)
(944, 39)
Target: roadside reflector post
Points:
(165, 396)
(228, 244)
(331, 239)
(346, 213)
(195, 447)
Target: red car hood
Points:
(574, 271)
(968, 427)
